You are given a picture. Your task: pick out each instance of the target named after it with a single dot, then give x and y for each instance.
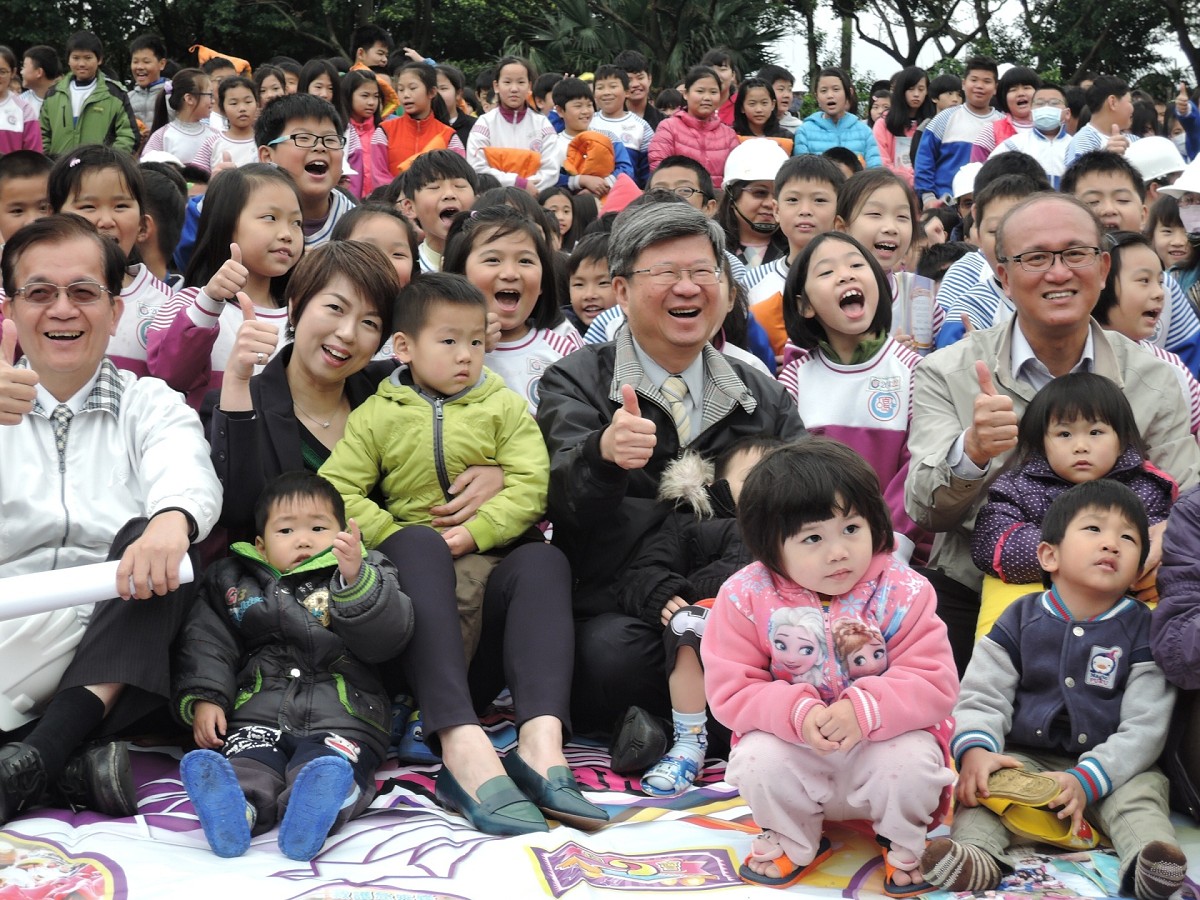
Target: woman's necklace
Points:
(313, 418)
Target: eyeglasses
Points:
(44, 293)
(1042, 260)
(308, 141)
(201, 93)
(665, 274)
(1048, 101)
(684, 192)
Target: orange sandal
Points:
(889, 870)
(790, 873)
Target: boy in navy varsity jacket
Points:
(1064, 683)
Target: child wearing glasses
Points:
(190, 96)
(302, 135)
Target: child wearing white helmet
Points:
(747, 207)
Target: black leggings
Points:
(527, 640)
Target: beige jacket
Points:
(945, 387)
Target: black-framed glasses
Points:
(44, 293)
(666, 274)
(684, 193)
(308, 141)
(1041, 260)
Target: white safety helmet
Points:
(964, 180)
(1155, 157)
(1187, 183)
(757, 159)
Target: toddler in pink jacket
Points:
(828, 663)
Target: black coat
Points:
(603, 513)
(294, 651)
(250, 449)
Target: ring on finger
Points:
(262, 358)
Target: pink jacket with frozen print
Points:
(773, 652)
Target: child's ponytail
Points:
(186, 82)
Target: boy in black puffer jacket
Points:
(696, 549)
(276, 667)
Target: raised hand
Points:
(18, 387)
(230, 278)
(254, 344)
(225, 163)
(629, 439)
(347, 550)
(1117, 142)
(993, 428)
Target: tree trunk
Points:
(1177, 16)
(813, 40)
(847, 43)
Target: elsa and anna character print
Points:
(799, 649)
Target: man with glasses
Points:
(97, 465)
(968, 398)
(615, 417)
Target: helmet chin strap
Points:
(759, 227)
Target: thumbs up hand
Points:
(230, 278)
(17, 386)
(1117, 142)
(993, 428)
(629, 439)
(254, 344)
(225, 163)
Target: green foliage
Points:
(1074, 35)
(577, 35)
(471, 31)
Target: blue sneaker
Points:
(402, 707)
(212, 785)
(412, 748)
(318, 795)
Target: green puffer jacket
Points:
(104, 119)
(293, 650)
(413, 445)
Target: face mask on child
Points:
(1180, 142)
(1190, 217)
(1047, 118)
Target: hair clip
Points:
(474, 213)
(74, 162)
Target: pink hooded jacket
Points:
(880, 645)
(708, 141)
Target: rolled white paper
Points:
(39, 592)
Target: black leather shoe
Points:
(639, 741)
(556, 795)
(99, 777)
(22, 778)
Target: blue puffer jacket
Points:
(819, 133)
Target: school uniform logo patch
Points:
(884, 400)
(1103, 667)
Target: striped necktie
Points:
(675, 390)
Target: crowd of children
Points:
(855, 248)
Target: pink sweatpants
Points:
(791, 789)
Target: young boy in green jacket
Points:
(85, 108)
